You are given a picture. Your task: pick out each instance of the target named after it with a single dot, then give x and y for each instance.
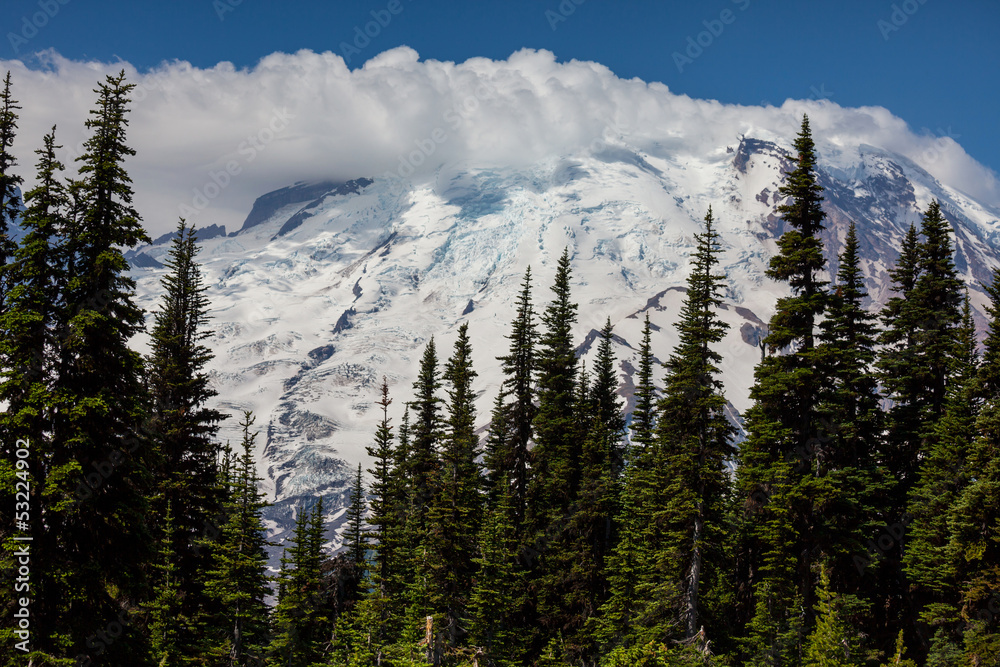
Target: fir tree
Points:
(182, 427)
(941, 479)
(385, 527)
(644, 414)
(302, 621)
(920, 326)
(555, 459)
(692, 448)
(168, 623)
(422, 462)
(10, 204)
(99, 406)
(974, 517)
(238, 581)
(456, 513)
(854, 487)
(777, 462)
(511, 459)
(832, 643)
(27, 368)
(355, 536)
(494, 605)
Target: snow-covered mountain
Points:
(328, 287)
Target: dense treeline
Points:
(856, 523)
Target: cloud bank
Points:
(209, 141)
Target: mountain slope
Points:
(330, 286)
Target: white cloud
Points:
(307, 116)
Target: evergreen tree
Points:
(355, 536)
(385, 527)
(495, 623)
(168, 624)
(301, 619)
(422, 461)
(496, 449)
(920, 326)
(10, 204)
(607, 403)
(853, 489)
(833, 643)
(777, 462)
(456, 513)
(511, 458)
(26, 373)
(942, 477)
(555, 459)
(644, 414)
(99, 449)
(692, 448)
(627, 564)
(183, 429)
(974, 517)
(238, 581)
(573, 583)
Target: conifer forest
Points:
(850, 517)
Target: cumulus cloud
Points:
(209, 141)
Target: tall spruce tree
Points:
(182, 427)
(918, 342)
(628, 562)
(27, 371)
(422, 464)
(943, 475)
(384, 523)
(237, 581)
(98, 440)
(302, 622)
(455, 514)
(555, 459)
(10, 202)
(692, 448)
(777, 474)
(511, 457)
(974, 517)
(355, 536)
(854, 492)
(495, 621)
(168, 623)
(920, 323)
(644, 414)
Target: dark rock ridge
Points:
(201, 233)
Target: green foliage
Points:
(355, 535)
(833, 642)
(495, 602)
(511, 428)
(555, 459)
(237, 581)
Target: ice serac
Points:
(328, 287)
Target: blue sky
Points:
(932, 63)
